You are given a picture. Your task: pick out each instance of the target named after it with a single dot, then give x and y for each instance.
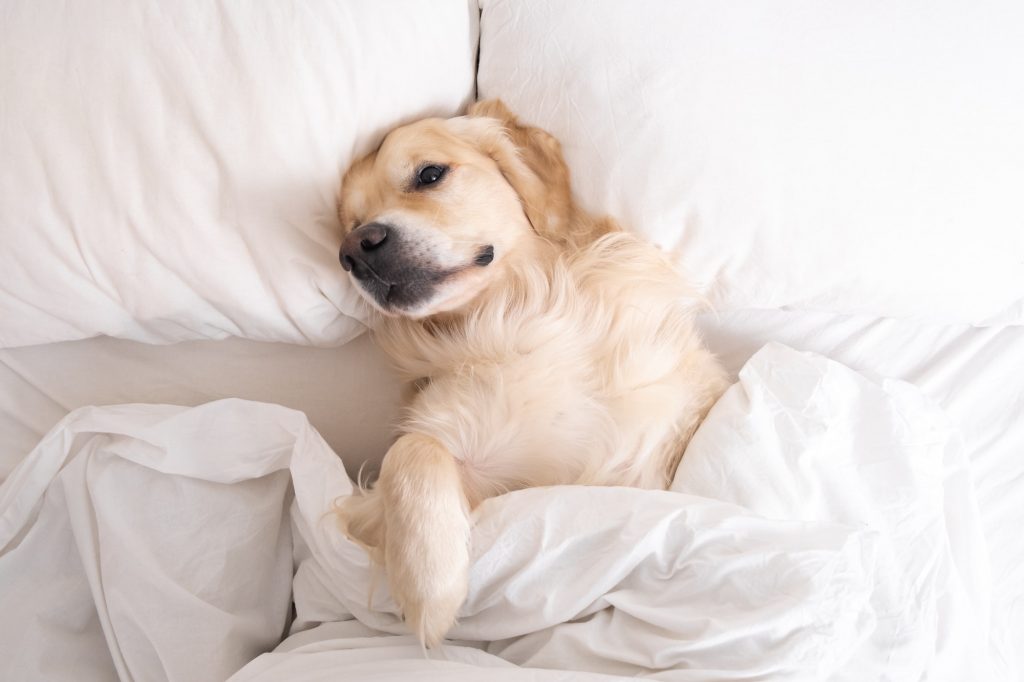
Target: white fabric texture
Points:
(170, 534)
(773, 444)
(170, 168)
(861, 158)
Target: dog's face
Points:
(430, 219)
(436, 214)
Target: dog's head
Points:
(444, 208)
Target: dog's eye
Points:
(428, 175)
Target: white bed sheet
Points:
(352, 399)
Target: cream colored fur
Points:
(572, 359)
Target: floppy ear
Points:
(531, 160)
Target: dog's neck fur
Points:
(522, 267)
(599, 354)
(530, 269)
(535, 260)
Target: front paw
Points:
(431, 612)
(427, 535)
(427, 562)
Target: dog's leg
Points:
(427, 518)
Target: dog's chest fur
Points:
(583, 370)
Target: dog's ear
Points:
(531, 160)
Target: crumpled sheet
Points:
(156, 542)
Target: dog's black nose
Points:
(371, 236)
(360, 244)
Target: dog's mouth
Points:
(395, 297)
(403, 283)
(397, 288)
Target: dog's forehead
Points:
(383, 176)
(416, 143)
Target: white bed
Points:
(352, 400)
(840, 180)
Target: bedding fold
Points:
(161, 542)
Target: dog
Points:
(541, 345)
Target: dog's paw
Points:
(431, 616)
(429, 576)
(427, 535)
(428, 572)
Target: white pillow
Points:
(861, 157)
(170, 169)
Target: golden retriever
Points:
(542, 345)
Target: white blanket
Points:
(158, 542)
